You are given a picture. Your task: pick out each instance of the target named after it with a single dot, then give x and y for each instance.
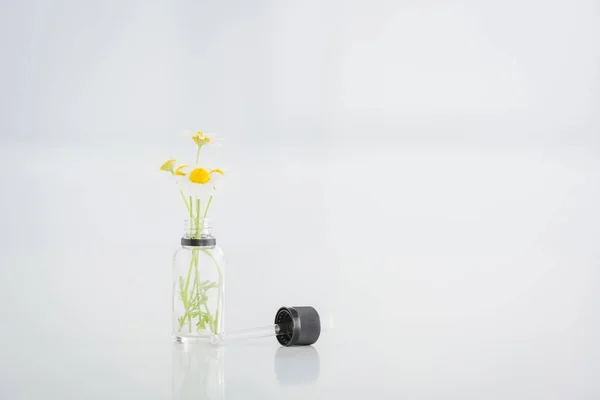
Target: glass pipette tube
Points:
(294, 326)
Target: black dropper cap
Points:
(299, 326)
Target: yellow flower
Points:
(178, 171)
(197, 181)
(168, 166)
(201, 139)
(200, 175)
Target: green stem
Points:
(186, 306)
(198, 230)
(197, 279)
(187, 296)
(207, 206)
(198, 154)
(209, 316)
(219, 288)
(184, 200)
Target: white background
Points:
(426, 173)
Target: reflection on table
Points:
(198, 372)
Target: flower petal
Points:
(168, 166)
(178, 171)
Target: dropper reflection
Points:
(198, 372)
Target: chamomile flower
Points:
(197, 181)
(169, 166)
(202, 139)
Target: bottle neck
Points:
(198, 233)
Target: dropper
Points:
(294, 326)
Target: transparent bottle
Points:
(198, 284)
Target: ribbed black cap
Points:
(300, 325)
(203, 242)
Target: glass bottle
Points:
(198, 284)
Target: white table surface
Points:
(434, 365)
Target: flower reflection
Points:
(198, 372)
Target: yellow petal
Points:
(178, 170)
(200, 139)
(218, 171)
(168, 166)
